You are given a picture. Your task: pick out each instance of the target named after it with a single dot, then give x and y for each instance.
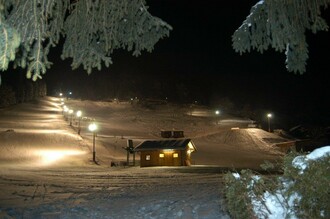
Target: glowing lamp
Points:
(78, 113)
(92, 127)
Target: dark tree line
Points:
(14, 91)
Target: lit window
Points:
(148, 157)
(161, 155)
(175, 155)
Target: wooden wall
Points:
(168, 158)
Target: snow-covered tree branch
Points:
(92, 30)
(281, 24)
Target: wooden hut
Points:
(165, 152)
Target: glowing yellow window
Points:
(161, 155)
(175, 155)
(148, 157)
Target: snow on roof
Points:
(180, 144)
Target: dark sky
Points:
(199, 50)
(200, 43)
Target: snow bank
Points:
(301, 162)
(277, 205)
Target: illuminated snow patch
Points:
(52, 156)
(48, 131)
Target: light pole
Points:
(217, 113)
(92, 127)
(69, 95)
(70, 113)
(269, 116)
(78, 114)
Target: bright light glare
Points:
(79, 113)
(190, 148)
(269, 115)
(70, 111)
(92, 127)
(217, 112)
(61, 94)
(51, 156)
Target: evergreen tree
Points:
(92, 30)
(281, 24)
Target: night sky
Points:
(199, 53)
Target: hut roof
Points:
(180, 144)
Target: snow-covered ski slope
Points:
(47, 172)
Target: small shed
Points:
(171, 134)
(166, 134)
(177, 134)
(165, 152)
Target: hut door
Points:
(168, 161)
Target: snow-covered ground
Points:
(47, 169)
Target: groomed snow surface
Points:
(47, 169)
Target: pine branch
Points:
(111, 25)
(281, 24)
(9, 42)
(32, 18)
(92, 31)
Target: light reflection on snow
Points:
(52, 116)
(51, 156)
(53, 106)
(47, 131)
